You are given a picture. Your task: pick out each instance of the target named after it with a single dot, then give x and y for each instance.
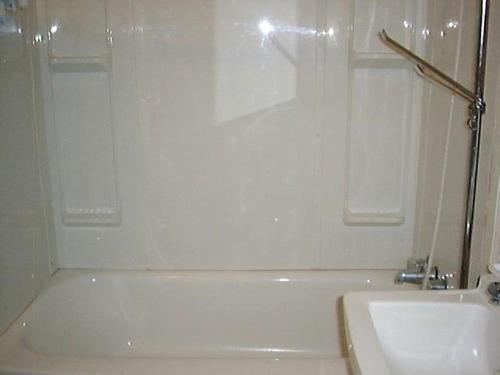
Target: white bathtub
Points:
(127, 322)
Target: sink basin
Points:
(423, 332)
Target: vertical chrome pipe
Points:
(475, 121)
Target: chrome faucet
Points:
(494, 292)
(415, 274)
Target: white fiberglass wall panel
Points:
(24, 233)
(244, 134)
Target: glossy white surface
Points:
(237, 134)
(24, 259)
(274, 321)
(410, 333)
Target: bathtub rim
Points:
(16, 357)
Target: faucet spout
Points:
(416, 272)
(413, 276)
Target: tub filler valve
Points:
(415, 274)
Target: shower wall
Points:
(486, 235)
(24, 232)
(444, 148)
(230, 134)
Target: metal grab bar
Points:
(427, 70)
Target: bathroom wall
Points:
(230, 134)
(454, 28)
(486, 234)
(451, 32)
(24, 231)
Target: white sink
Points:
(423, 332)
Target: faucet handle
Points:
(494, 292)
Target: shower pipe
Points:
(477, 107)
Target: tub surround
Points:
(25, 235)
(232, 135)
(274, 148)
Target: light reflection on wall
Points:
(255, 57)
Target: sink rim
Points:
(365, 349)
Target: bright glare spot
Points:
(53, 29)
(93, 279)
(368, 281)
(129, 343)
(330, 32)
(276, 219)
(24, 324)
(452, 25)
(273, 350)
(475, 352)
(425, 33)
(266, 27)
(284, 280)
(406, 24)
